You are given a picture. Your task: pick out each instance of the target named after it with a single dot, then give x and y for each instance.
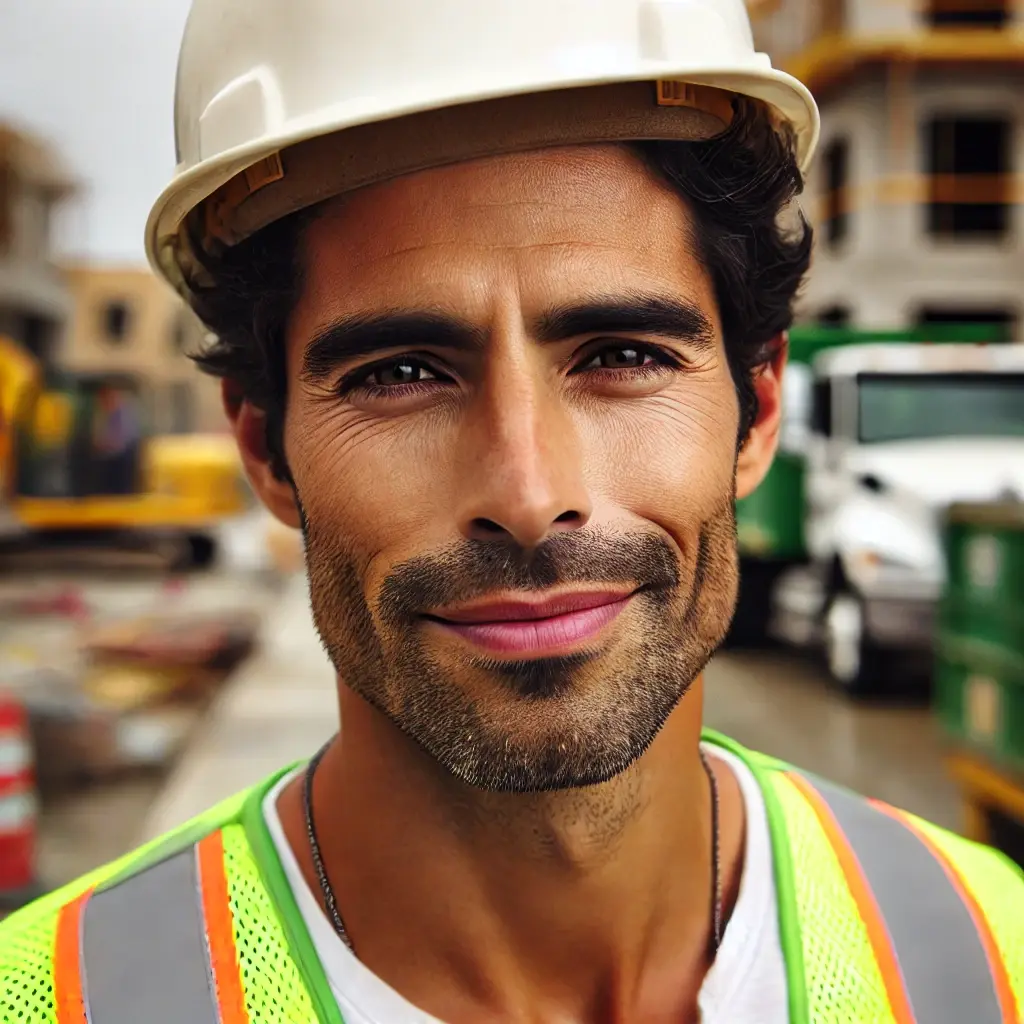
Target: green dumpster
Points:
(979, 680)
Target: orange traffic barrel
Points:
(18, 806)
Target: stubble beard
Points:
(545, 724)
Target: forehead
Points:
(554, 222)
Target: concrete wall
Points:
(789, 26)
(887, 17)
(34, 301)
(882, 17)
(158, 332)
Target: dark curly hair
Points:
(736, 186)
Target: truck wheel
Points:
(851, 659)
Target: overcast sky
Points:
(96, 77)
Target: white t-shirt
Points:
(746, 984)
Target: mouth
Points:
(555, 626)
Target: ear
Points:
(249, 425)
(758, 451)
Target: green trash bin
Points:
(979, 679)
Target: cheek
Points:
(670, 460)
(380, 486)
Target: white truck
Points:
(891, 436)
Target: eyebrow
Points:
(366, 335)
(647, 314)
(356, 336)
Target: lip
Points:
(555, 625)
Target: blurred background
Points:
(156, 652)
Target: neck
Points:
(590, 904)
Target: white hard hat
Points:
(280, 105)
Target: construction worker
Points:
(500, 292)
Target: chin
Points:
(547, 764)
(540, 679)
(554, 733)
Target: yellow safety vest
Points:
(884, 919)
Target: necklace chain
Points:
(331, 903)
(326, 889)
(716, 857)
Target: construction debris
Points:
(107, 691)
(153, 660)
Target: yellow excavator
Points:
(77, 460)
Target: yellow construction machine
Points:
(77, 458)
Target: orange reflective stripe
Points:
(68, 994)
(878, 934)
(220, 930)
(1000, 979)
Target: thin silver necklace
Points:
(331, 903)
(717, 924)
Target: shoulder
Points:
(29, 937)
(991, 884)
(879, 830)
(217, 893)
(842, 857)
(800, 799)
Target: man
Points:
(117, 433)
(500, 293)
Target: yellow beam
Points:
(117, 513)
(832, 57)
(914, 189)
(982, 784)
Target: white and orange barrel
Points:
(18, 804)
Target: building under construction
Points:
(126, 320)
(35, 302)
(916, 195)
(87, 317)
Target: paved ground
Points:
(783, 705)
(82, 830)
(280, 707)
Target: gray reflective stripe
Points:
(144, 951)
(936, 943)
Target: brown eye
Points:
(401, 371)
(621, 358)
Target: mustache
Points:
(476, 568)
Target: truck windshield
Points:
(903, 407)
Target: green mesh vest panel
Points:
(27, 942)
(26, 975)
(842, 982)
(27, 937)
(274, 989)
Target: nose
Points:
(524, 478)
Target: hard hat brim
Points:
(258, 162)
